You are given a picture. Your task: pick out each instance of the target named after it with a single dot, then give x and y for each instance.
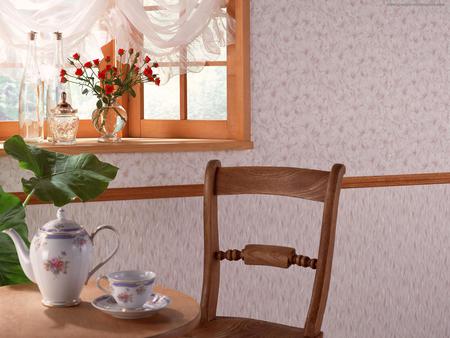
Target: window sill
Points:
(143, 145)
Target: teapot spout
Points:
(23, 252)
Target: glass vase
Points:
(109, 121)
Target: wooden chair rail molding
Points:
(196, 190)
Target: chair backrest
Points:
(316, 185)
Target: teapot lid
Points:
(61, 224)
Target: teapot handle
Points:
(99, 265)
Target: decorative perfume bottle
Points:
(54, 87)
(64, 122)
(31, 107)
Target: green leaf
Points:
(12, 215)
(99, 104)
(60, 178)
(85, 91)
(132, 92)
(98, 88)
(105, 99)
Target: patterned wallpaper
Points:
(357, 82)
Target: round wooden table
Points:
(23, 315)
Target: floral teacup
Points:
(130, 289)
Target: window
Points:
(211, 104)
(9, 99)
(10, 77)
(214, 103)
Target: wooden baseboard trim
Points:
(196, 190)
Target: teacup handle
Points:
(99, 279)
(98, 266)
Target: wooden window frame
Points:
(237, 126)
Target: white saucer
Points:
(107, 304)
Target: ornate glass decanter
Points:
(64, 122)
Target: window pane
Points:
(163, 18)
(197, 52)
(85, 104)
(9, 94)
(163, 102)
(154, 3)
(223, 54)
(207, 94)
(9, 97)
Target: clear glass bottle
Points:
(54, 86)
(31, 107)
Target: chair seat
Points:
(227, 327)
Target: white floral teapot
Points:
(60, 259)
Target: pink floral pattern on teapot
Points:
(56, 265)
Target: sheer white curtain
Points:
(180, 32)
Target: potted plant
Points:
(57, 179)
(109, 83)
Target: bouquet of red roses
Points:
(111, 82)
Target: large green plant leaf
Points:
(60, 178)
(12, 215)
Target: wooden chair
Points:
(316, 185)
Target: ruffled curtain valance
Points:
(180, 33)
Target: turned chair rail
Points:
(269, 255)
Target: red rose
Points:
(88, 64)
(79, 72)
(157, 81)
(76, 56)
(102, 74)
(131, 51)
(114, 69)
(108, 58)
(121, 51)
(148, 72)
(109, 89)
(63, 79)
(62, 72)
(108, 67)
(147, 59)
(96, 62)
(156, 64)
